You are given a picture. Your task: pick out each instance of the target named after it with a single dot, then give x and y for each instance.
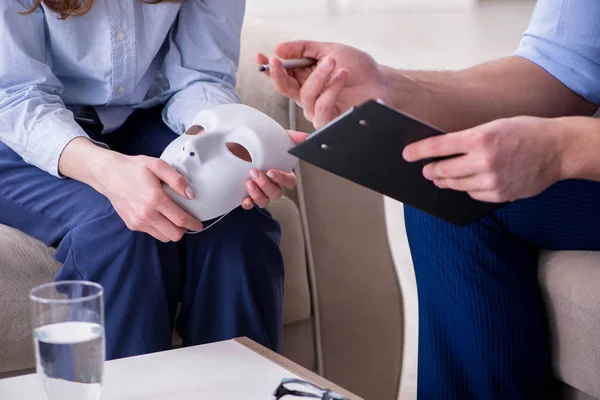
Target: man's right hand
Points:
(344, 77)
(134, 187)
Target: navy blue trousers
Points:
(483, 332)
(228, 279)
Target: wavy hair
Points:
(75, 8)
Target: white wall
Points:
(363, 5)
(266, 8)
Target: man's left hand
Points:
(266, 187)
(501, 161)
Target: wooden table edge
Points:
(293, 367)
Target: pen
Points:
(291, 64)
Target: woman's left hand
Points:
(266, 187)
(501, 161)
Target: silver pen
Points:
(291, 64)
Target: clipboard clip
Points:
(362, 122)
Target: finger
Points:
(257, 196)
(308, 115)
(156, 234)
(179, 217)
(297, 137)
(449, 144)
(247, 204)
(325, 105)
(489, 196)
(271, 189)
(166, 227)
(316, 84)
(473, 183)
(301, 74)
(286, 179)
(171, 177)
(303, 48)
(261, 59)
(283, 82)
(455, 167)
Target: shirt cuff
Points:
(48, 139)
(181, 109)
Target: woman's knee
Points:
(105, 241)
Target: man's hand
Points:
(264, 188)
(501, 161)
(344, 77)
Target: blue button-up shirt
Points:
(121, 55)
(564, 39)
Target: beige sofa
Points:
(345, 251)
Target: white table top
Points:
(219, 371)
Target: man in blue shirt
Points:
(483, 332)
(135, 74)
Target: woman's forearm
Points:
(84, 161)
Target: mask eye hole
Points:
(194, 130)
(239, 151)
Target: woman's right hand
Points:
(134, 187)
(344, 77)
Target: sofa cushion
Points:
(24, 264)
(255, 89)
(570, 282)
(299, 344)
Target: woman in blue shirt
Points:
(90, 95)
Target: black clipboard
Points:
(365, 146)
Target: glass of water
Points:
(68, 331)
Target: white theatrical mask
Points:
(205, 156)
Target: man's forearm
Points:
(505, 88)
(581, 141)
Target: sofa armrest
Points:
(359, 301)
(569, 281)
(255, 89)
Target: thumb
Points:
(172, 178)
(297, 137)
(303, 48)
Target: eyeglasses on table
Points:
(298, 388)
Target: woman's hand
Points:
(264, 188)
(343, 78)
(134, 187)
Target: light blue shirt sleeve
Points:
(563, 38)
(203, 57)
(33, 119)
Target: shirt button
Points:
(120, 89)
(120, 35)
